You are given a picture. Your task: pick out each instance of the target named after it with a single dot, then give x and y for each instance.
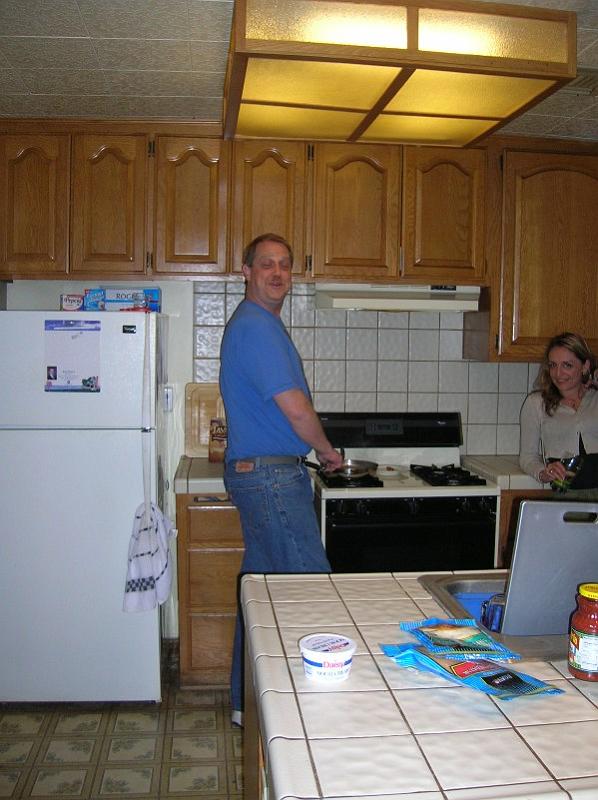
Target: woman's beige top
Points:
(558, 435)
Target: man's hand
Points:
(330, 459)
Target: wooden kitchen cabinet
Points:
(443, 214)
(550, 280)
(269, 196)
(543, 239)
(191, 205)
(108, 213)
(34, 202)
(356, 211)
(210, 550)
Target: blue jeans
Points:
(281, 534)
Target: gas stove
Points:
(420, 510)
(417, 455)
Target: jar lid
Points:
(589, 590)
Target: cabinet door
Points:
(191, 204)
(549, 277)
(269, 196)
(109, 204)
(356, 204)
(34, 203)
(443, 214)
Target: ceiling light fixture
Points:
(413, 72)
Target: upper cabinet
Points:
(108, 214)
(190, 206)
(545, 244)
(443, 214)
(356, 211)
(269, 196)
(34, 203)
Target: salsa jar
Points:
(583, 634)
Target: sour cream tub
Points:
(327, 656)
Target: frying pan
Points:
(350, 469)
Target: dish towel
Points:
(149, 570)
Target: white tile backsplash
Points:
(380, 361)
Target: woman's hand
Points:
(555, 471)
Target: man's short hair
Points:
(249, 252)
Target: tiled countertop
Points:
(503, 470)
(199, 476)
(393, 731)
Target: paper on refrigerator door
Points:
(72, 355)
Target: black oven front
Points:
(409, 534)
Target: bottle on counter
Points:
(583, 634)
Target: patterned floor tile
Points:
(141, 721)
(197, 720)
(133, 748)
(70, 750)
(19, 723)
(16, 751)
(9, 782)
(127, 782)
(209, 747)
(204, 779)
(74, 722)
(59, 782)
(235, 778)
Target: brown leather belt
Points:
(249, 464)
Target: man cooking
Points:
(271, 425)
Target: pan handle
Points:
(311, 464)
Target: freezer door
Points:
(43, 361)
(68, 500)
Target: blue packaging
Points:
(94, 300)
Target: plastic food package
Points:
(457, 637)
(498, 680)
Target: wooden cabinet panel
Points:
(206, 650)
(549, 277)
(356, 211)
(210, 550)
(213, 579)
(34, 203)
(109, 204)
(443, 214)
(269, 196)
(214, 522)
(191, 205)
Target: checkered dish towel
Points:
(149, 571)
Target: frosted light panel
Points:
(327, 23)
(316, 83)
(437, 92)
(295, 123)
(498, 36)
(425, 130)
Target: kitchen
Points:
(356, 360)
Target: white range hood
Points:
(378, 297)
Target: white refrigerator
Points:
(79, 431)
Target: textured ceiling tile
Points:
(48, 53)
(585, 38)
(208, 109)
(209, 56)
(12, 82)
(143, 54)
(171, 84)
(41, 18)
(136, 19)
(60, 81)
(578, 128)
(54, 106)
(589, 57)
(211, 20)
(531, 125)
(563, 104)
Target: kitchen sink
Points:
(445, 588)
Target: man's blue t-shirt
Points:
(258, 360)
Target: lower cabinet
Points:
(510, 500)
(210, 550)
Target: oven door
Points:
(410, 535)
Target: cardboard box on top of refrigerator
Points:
(131, 298)
(93, 300)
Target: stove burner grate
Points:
(340, 482)
(449, 475)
